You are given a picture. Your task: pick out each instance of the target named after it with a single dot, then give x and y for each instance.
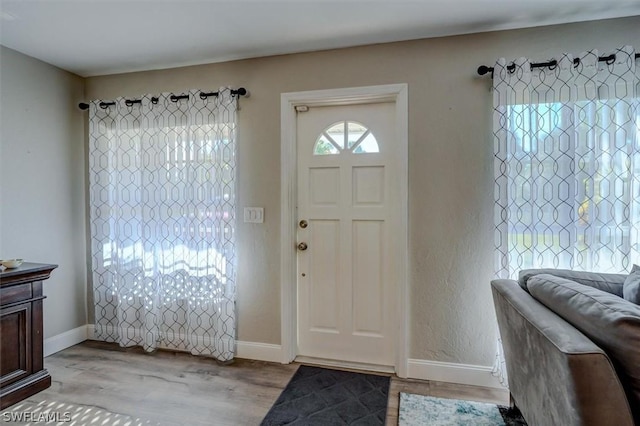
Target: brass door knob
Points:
(302, 246)
(304, 224)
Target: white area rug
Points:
(32, 413)
(420, 410)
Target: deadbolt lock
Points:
(302, 246)
(303, 224)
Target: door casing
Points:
(397, 93)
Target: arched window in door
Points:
(346, 136)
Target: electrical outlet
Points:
(254, 215)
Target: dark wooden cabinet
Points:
(22, 371)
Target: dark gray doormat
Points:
(319, 396)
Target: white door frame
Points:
(397, 93)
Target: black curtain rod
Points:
(483, 69)
(241, 91)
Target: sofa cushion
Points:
(610, 321)
(611, 283)
(631, 287)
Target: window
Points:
(347, 136)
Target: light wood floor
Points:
(102, 384)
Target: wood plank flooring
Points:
(102, 384)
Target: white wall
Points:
(42, 177)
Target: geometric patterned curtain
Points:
(567, 163)
(163, 221)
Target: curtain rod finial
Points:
(241, 91)
(483, 69)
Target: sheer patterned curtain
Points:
(567, 164)
(162, 210)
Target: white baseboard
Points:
(65, 340)
(474, 375)
(259, 351)
(248, 350)
(465, 374)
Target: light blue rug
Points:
(420, 410)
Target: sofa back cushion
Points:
(610, 321)
(611, 283)
(631, 286)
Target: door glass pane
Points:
(369, 144)
(356, 131)
(337, 133)
(324, 147)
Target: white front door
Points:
(348, 196)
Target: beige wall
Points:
(42, 202)
(450, 166)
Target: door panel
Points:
(368, 272)
(324, 295)
(368, 186)
(347, 187)
(324, 186)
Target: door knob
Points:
(302, 246)
(304, 224)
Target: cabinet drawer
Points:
(15, 293)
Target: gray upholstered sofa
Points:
(550, 321)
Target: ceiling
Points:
(97, 37)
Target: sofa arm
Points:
(557, 376)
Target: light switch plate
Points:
(254, 215)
